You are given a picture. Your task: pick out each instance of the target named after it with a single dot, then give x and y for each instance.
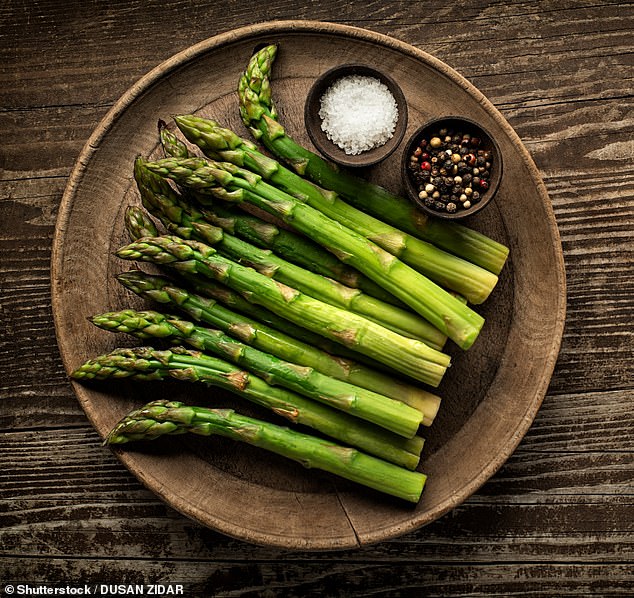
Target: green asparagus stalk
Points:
(454, 273)
(187, 222)
(176, 215)
(295, 248)
(147, 363)
(260, 116)
(138, 224)
(234, 184)
(170, 417)
(359, 402)
(298, 249)
(403, 354)
(171, 144)
(272, 340)
(394, 318)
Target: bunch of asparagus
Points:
(309, 292)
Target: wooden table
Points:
(557, 518)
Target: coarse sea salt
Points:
(358, 113)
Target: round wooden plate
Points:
(490, 395)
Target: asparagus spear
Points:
(260, 116)
(139, 225)
(295, 248)
(272, 340)
(359, 402)
(170, 417)
(471, 281)
(232, 183)
(178, 217)
(298, 249)
(147, 363)
(172, 145)
(403, 354)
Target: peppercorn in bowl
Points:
(355, 115)
(451, 167)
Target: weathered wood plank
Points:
(478, 530)
(307, 579)
(556, 519)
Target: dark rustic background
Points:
(558, 518)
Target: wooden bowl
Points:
(314, 122)
(458, 124)
(491, 393)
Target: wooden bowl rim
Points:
(354, 33)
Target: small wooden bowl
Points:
(462, 125)
(313, 121)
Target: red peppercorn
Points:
(470, 159)
(425, 166)
(484, 184)
(424, 156)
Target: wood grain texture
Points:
(556, 519)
